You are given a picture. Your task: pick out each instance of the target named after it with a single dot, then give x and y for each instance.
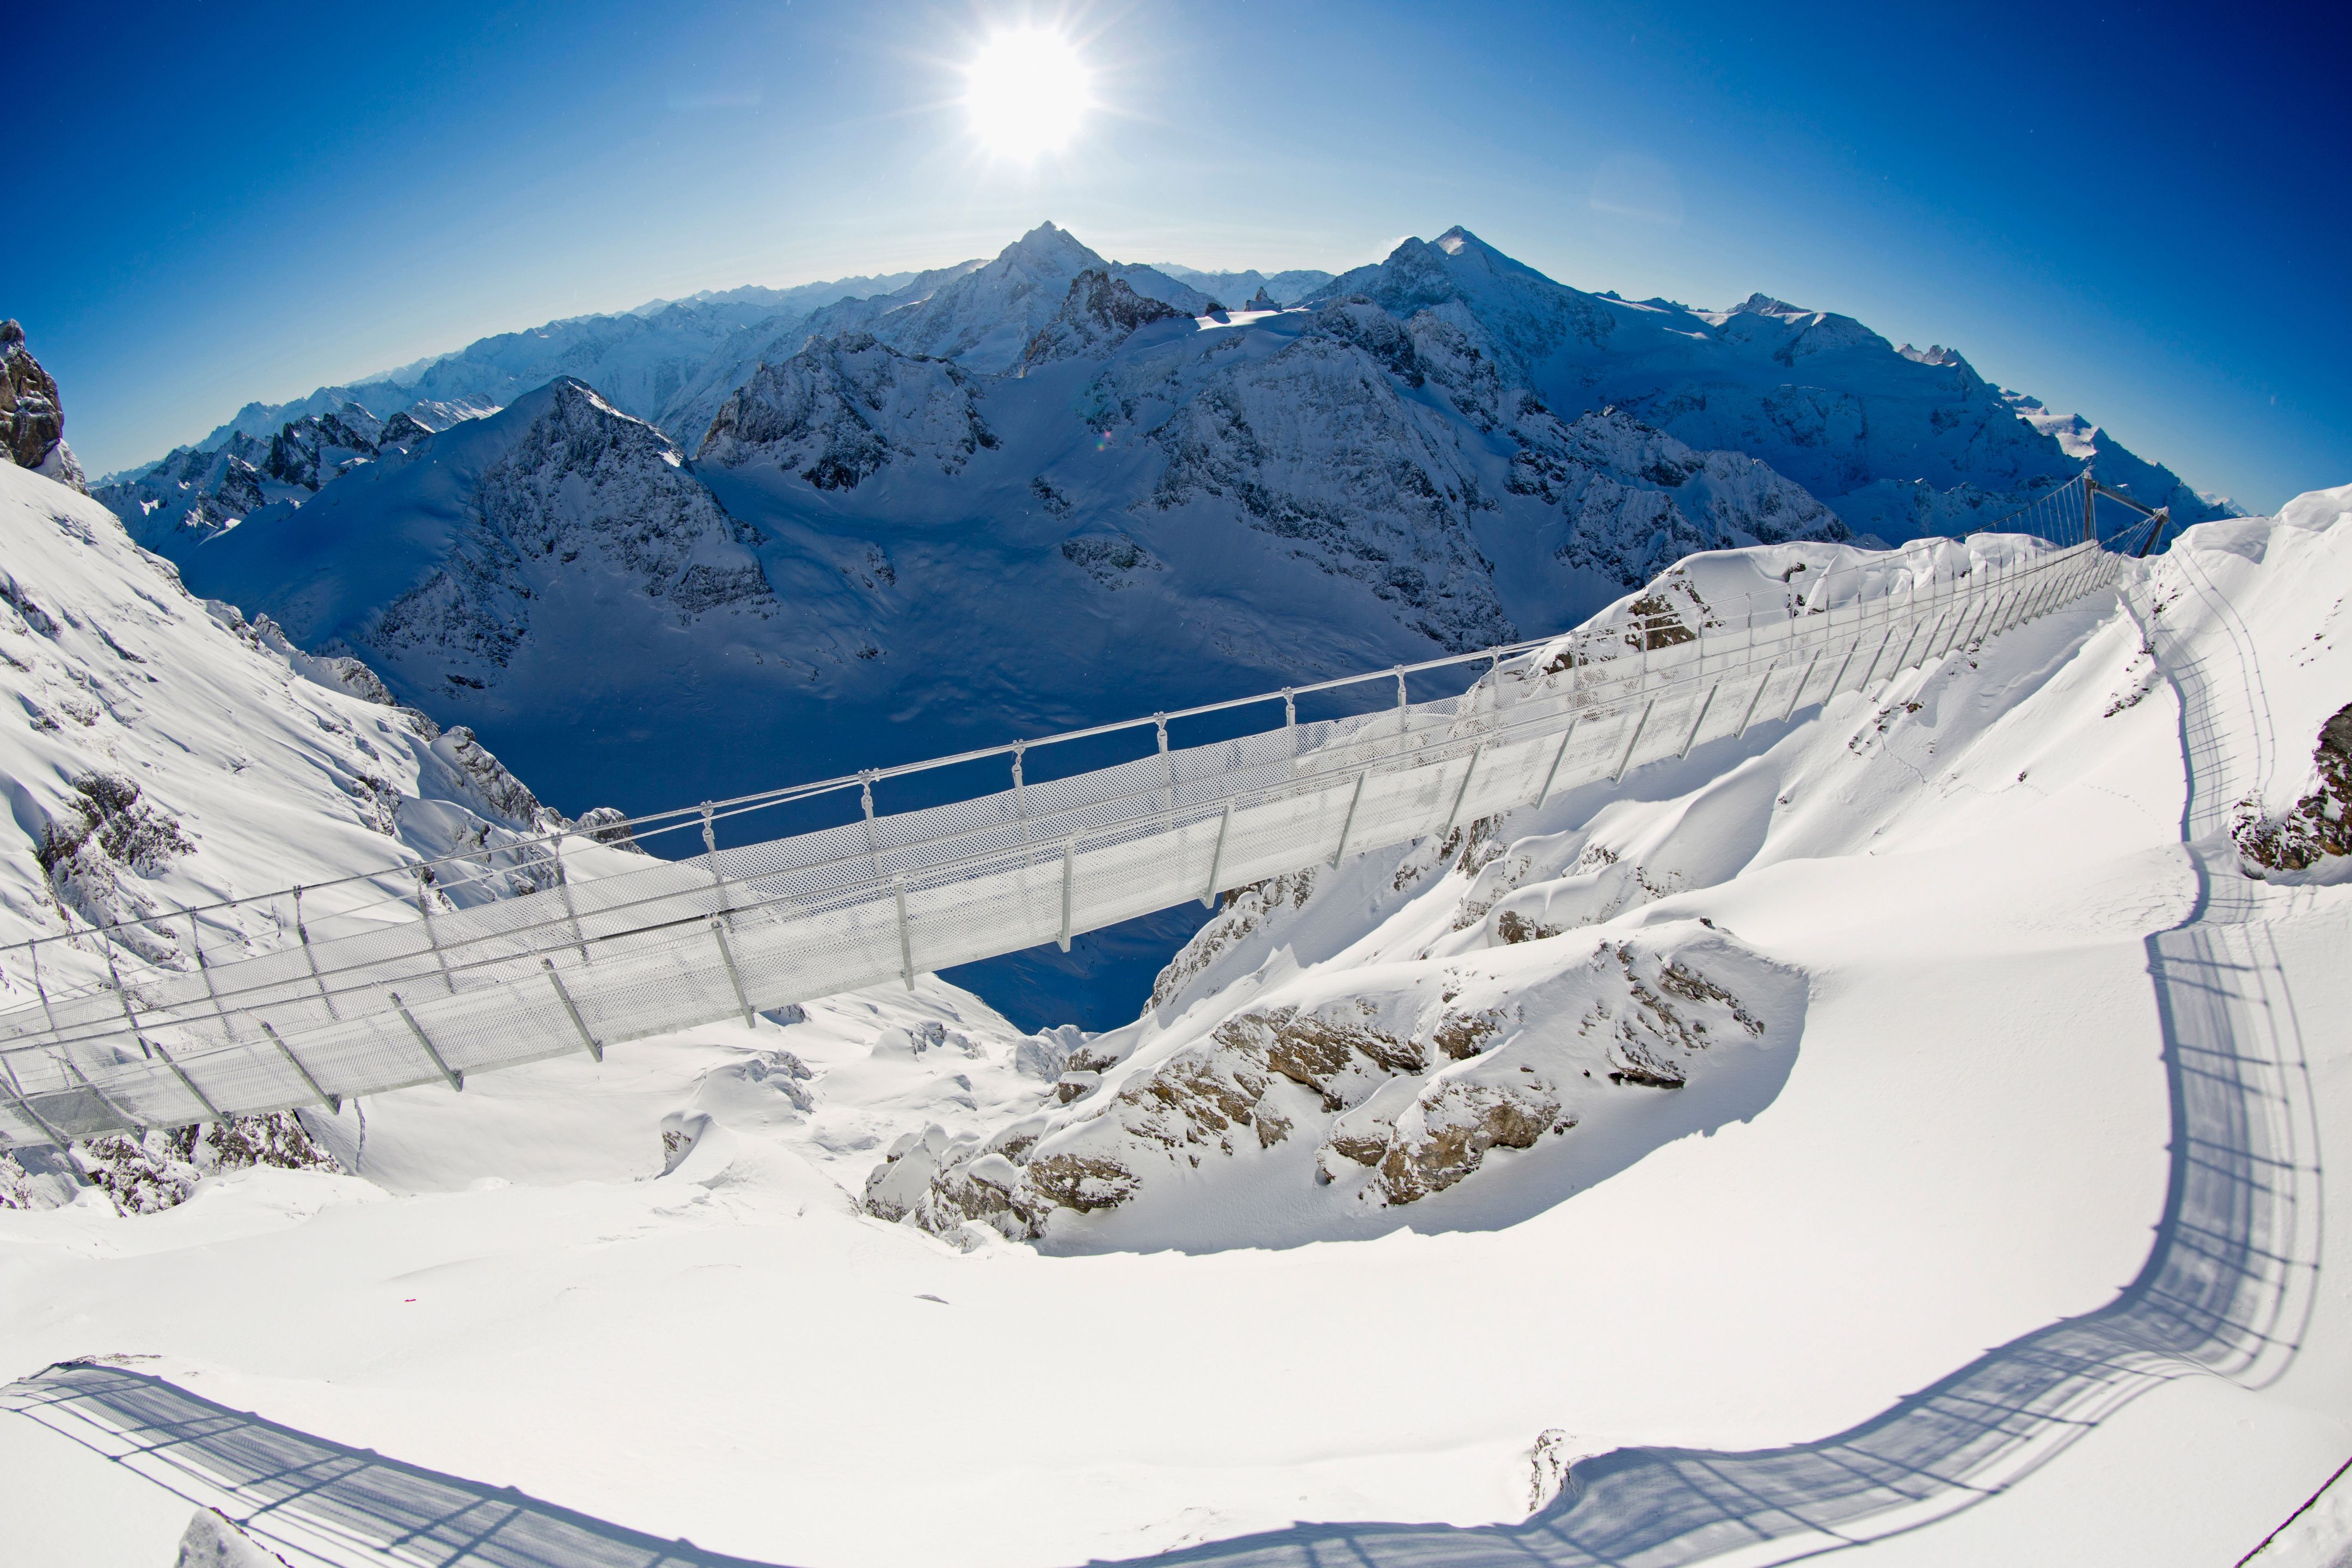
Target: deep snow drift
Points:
(1931, 1090)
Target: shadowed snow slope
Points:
(1932, 1089)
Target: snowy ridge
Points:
(1901, 443)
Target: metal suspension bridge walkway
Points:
(590, 963)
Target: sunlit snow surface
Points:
(1955, 1131)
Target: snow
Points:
(254, 765)
(1951, 1131)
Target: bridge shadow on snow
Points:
(2226, 1290)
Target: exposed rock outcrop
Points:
(1099, 313)
(32, 414)
(2321, 823)
(840, 410)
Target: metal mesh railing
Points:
(593, 961)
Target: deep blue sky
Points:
(2142, 216)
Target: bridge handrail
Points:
(158, 1051)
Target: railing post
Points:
(433, 937)
(303, 932)
(39, 989)
(1069, 874)
(1692, 738)
(865, 799)
(457, 1080)
(734, 976)
(905, 942)
(1167, 804)
(1020, 807)
(570, 1011)
(333, 1103)
(1875, 657)
(1543, 791)
(1839, 678)
(571, 910)
(1632, 740)
(1347, 823)
(1802, 681)
(1754, 698)
(1217, 858)
(196, 946)
(1460, 794)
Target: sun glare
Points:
(1028, 91)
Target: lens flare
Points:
(1026, 92)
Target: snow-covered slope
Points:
(1935, 1111)
(165, 751)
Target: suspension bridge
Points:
(422, 995)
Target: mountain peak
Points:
(1765, 305)
(1050, 243)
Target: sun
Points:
(1026, 91)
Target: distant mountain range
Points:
(715, 544)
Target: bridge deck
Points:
(596, 963)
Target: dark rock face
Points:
(1099, 313)
(586, 491)
(842, 408)
(2321, 823)
(32, 416)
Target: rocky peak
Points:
(844, 407)
(305, 452)
(1765, 305)
(1050, 245)
(32, 416)
(1099, 313)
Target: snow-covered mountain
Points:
(639, 357)
(197, 492)
(1142, 508)
(1237, 290)
(1039, 492)
(1898, 442)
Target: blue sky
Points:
(2141, 215)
